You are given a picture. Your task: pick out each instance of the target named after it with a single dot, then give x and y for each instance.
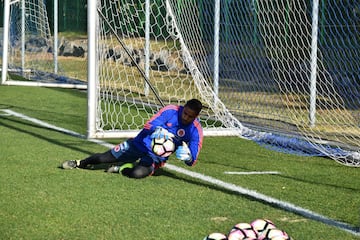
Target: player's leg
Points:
(123, 152)
(140, 170)
(126, 155)
(145, 167)
(96, 158)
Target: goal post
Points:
(128, 80)
(30, 46)
(281, 73)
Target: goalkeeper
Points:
(134, 157)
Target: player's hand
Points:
(183, 153)
(161, 133)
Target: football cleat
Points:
(70, 164)
(113, 169)
(118, 169)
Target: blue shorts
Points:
(127, 152)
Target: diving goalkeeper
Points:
(134, 157)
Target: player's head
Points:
(191, 110)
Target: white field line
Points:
(252, 173)
(50, 126)
(229, 186)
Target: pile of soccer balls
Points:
(259, 229)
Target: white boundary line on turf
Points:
(252, 173)
(59, 129)
(229, 186)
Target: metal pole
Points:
(56, 19)
(6, 30)
(147, 45)
(22, 36)
(314, 47)
(216, 46)
(92, 71)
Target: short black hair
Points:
(194, 104)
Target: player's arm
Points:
(189, 152)
(195, 147)
(159, 119)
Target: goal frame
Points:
(5, 80)
(92, 132)
(305, 80)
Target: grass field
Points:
(40, 201)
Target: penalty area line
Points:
(229, 186)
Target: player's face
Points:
(188, 116)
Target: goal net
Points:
(33, 52)
(282, 73)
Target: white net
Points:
(126, 99)
(33, 52)
(283, 73)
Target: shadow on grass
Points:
(25, 130)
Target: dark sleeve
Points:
(195, 143)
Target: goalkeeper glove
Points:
(183, 153)
(161, 133)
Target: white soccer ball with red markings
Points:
(162, 147)
(274, 234)
(216, 236)
(262, 225)
(242, 231)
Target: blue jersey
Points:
(169, 118)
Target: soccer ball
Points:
(242, 231)
(261, 225)
(274, 234)
(162, 147)
(216, 236)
